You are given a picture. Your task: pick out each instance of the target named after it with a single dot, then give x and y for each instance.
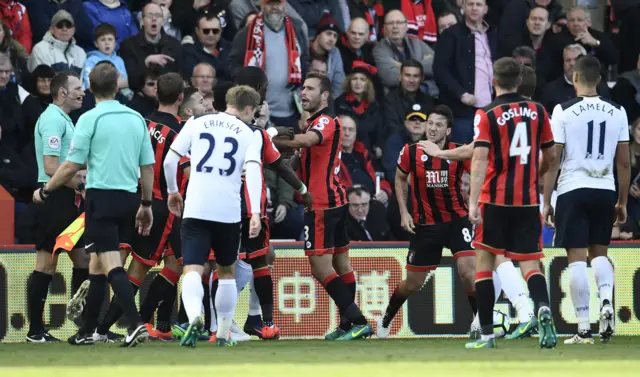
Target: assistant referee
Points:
(114, 143)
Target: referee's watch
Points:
(146, 203)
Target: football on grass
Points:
(501, 324)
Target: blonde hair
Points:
(242, 96)
(369, 93)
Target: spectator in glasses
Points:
(145, 101)
(15, 51)
(208, 47)
(41, 12)
(367, 220)
(169, 26)
(152, 48)
(58, 48)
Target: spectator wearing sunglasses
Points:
(208, 47)
(58, 48)
(145, 101)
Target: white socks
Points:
(254, 302)
(604, 278)
(513, 287)
(226, 298)
(580, 293)
(192, 294)
(497, 287)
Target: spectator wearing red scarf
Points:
(15, 16)
(358, 102)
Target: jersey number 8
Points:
(230, 155)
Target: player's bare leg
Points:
(413, 283)
(605, 279)
(513, 287)
(322, 270)
(485, 262)
(342, 266)
(537, 284)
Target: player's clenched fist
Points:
(254, 226)
(474, 215)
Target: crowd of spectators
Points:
(389, 61)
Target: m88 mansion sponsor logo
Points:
(437, 178)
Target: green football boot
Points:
(335, 334)
(548, 336)
(358, 332)
(225, 342)
(491, 343)
(178, 330)
(192, 334)
(524, 330)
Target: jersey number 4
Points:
(230, 155)
(520, 143)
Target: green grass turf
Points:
(389, 358)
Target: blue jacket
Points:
(95, 57)
(41, 12)
(120, 18)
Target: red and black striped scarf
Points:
(426, 29)
(255, 52)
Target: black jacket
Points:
(143, 104)
(134, 50)
(368, 123)
(559, 91)
(397, 105)
(515, 15)
(195, 54)
(11, 117)
(627, 94)
(16, 172)
(32, 108)
(375, 223)
(606, 53)
(454, 65)
(186, 18)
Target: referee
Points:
(52, 137)
(114, 143)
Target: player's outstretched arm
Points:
(624, 181)
(402, 192)
(65, 173)
(289, 176)
(305, 140)
(479, 164)
(464, 152)
(549, 168)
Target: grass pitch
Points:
(395, 358)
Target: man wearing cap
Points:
(277, 46)
(327, 34)
(42, 11)
(415, 127)
(58, 48)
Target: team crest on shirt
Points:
(411, 256)
(437, 178)
(424, 158)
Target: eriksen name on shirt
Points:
(224, 124)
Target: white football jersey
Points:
(590, 129)
(219, 145)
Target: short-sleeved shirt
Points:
(515, 130)
(52, 137)
(436, 185)
(590, 128)
(320, 163)
(219, 145)
(114, 142)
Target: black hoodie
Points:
(514, 17)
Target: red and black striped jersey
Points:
(435, 185)
(320, 163)
(515, 130)
(162, 129)
(269, 154)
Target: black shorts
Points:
(325, 231)
(110, 219)
(425, 247)
(251, 248)
(200, 236)
(53, 216)
(164, 237)
(584, 217)
(515, 232)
